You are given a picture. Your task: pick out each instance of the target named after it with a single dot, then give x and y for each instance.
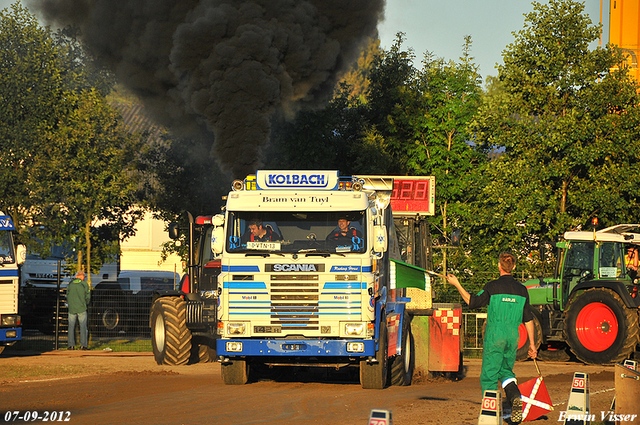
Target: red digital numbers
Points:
(415, 190)
(412, 195)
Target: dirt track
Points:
(129, 388)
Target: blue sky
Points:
(440, 26)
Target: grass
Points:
(122, 344)
(19, 372)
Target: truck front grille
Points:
(294, 301)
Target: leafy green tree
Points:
(65, 162)
(422, 116)
(89, 195)
(30, 93)
(566, 123)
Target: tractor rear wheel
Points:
(374, 375)
(170, 337)
(599, 328)
(523, 341)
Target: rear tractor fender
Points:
(616, 286)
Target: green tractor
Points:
(591, 304)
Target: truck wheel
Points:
(170, 337)
(235, 372)
(111, 321)
(599, 328)
(374, 375)
(523, 341)
(1, 348)
(402, 366)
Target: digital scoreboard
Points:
(413, 195)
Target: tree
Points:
(422, 115)
(65, 164)
(567, 122)
(89, 195)
(30, 91)
(357, 79)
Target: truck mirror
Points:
(380, 238)
(218, 220)
(217, 239)
(174, 231)
(21, 254)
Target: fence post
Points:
(57, 307)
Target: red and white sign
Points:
(535, 399)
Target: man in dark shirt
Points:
(257, 232)
(344, 233)
(508, 302)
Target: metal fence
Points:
(118, 320)
(473, 330)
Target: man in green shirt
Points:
(78, 297)
(508, 306)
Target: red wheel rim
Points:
(522, 336)
(596, 327)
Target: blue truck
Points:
(11, 256)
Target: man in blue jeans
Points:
(78, 297)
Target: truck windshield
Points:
(296, 232)
(6, 247)
(579, 258)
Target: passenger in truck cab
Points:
(258, 232)
(344, 233)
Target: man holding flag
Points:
(508, 306)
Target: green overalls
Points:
(508, 302)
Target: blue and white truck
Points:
(11, 256)
(304, 295)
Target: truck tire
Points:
(523, 341)
(374, 375)
(402, 365)
(599, 328)
(170, 337)
(235, 372)
(110, 320)
(1, 348)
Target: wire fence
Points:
(118, 320)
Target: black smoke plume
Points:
(222, 66)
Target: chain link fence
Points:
(118, 320)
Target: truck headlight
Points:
(235, 346)
(355, 347)
(236, 328)
(11, 320)
(354, 329)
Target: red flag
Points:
(535, 399)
